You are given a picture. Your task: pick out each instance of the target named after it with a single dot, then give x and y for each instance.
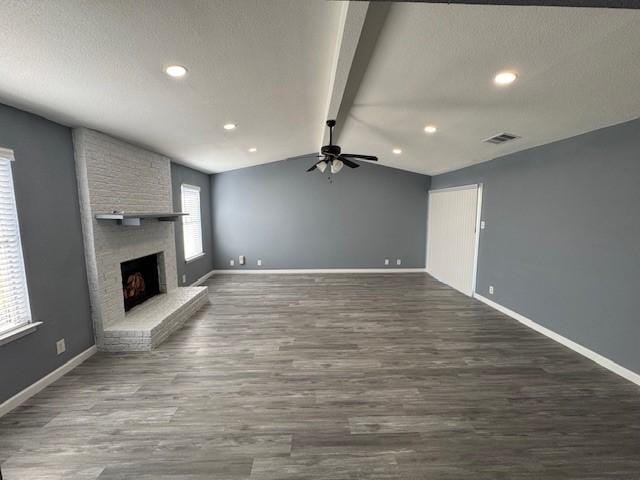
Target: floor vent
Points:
(501, 138)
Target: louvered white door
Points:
(451, 236)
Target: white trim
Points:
(18, 332)
(203, 279)
(576, 347)
(188, 185)
(7, 154)
(474, 278)
(195, 257)
(319, 270)
(468, 186)
(21, 397)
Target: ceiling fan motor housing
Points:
(331, 150)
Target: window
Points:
(14, 297)
(192, 223)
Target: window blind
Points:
(191, 223)
(14, 297)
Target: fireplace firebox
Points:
(140, 280)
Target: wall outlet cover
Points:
(60, 346)
(399, 261)
(491, 290)
(241, 260)
(184, 278)
(386, 261)
(482, 225)
(259, 262)
(232, 263)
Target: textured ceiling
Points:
(434, 64)
(276, 68)
(265, 65)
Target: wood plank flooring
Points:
(333, 377)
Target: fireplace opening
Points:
(140, 280)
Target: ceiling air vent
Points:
(501, 138)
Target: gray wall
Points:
(47, 199)
(562, 238)
(293, 219)
(202, 265)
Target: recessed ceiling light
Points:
(253, 149)
(430, 129)
(505, 78)
(229, 126)
(175, 71)
(397, 151)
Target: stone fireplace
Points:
(114, 176)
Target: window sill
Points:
(19, 332)
(193, 259)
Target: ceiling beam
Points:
(359, 33)
(631, 4)
(352, 20)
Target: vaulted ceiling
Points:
(278, 69)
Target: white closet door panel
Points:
(451, 236)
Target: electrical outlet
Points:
(481, 224)
(491, 290)
(241, 260)
(398, 261)
(60, 346)
(232, 263)
(259, 262)
(184, 278)
(386, 261)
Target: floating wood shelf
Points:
(135, 219)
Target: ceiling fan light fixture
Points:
(333, 156)
(336, 166)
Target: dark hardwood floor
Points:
(333, 377)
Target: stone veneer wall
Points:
(114, 175)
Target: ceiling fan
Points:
(333, 157)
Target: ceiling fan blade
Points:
(371, 158)
(312, 168)
(348, 162)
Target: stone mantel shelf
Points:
(135, 219)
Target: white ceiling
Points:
(434, 64)
(265, 65)
(278, 67)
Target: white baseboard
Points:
(21, 397)
(203, 279)
(320, 270)
(576, 347)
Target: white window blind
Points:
(14, 297)
(192, 223)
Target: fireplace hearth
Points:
(140, 280)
